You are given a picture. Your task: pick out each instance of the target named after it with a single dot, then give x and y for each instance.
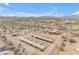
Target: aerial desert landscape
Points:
(47, 36)
(39, 29)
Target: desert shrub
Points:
(61, 48)
(17, 49)
(9, 43)
(63, 44)
(76, 34)
(64, 38)
(72, 41)
(14, 35)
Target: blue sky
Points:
(39, 9)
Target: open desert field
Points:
(28, 36)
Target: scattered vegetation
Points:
(61, 49)
(9, 29)
(72, 41)
(64, 38)
(63, 44)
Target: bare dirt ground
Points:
(39, 37)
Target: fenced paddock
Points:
(43, 38)
(41, 47)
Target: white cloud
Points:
(7, 4)
(54, 9)
(75, 13)
(6, 12)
